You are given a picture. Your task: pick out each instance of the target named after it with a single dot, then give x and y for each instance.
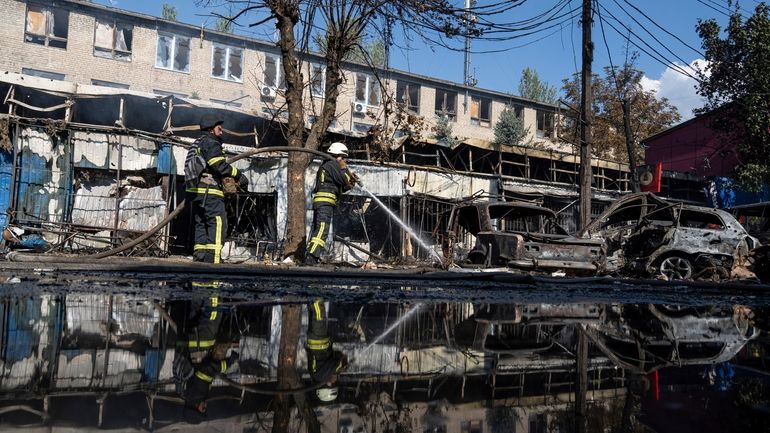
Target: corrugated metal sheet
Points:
(97, 150)
(44, 177)
(140, 208)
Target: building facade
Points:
(81, 42)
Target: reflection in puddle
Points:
(211, 360)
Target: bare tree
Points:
(343, 24)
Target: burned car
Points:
(644, 338)
(648, 236)
(521, 236)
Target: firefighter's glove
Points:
(355, 180)
(243, 183)
(229, 186)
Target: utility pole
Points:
(586, 118)
(468, 79)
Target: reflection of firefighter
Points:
(208, 193)
(198, 357)
(324, 363)
(333, 178)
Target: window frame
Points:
(113, 50)
(110, 84)
(439, 112)
(173, 53)
(545, 133)
(370, 83)
(280, 80)
(228, 50)
(322, 83)
(413, 107)
(48, 34)
(479, 120)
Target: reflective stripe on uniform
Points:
(318, 239)
(317, 310)
(209, 284)
(218, 240)
(212, 191)
(214, 303)
(321, 344)
(233, 172)
(223, 366)
(203, 376)
(325, 197)
(215, 159)
(201, 343)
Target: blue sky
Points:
(554, 53)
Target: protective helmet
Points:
(209, 121)
(338, 148)
(326, 394)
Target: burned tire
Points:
(675, 267)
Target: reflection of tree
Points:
(288, 378)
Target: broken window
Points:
(446, 103)
(47, 26)
(273, 74)
(227, 63)
(317, 80)
(408, 95)
(481, 109)
(367, 90)
(173, 52)
(544, 124)
(700, 220)
(113, 40)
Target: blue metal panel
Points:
(21, 337)
(6, 172)
(152, 363)
(723, 193)
(166, 163)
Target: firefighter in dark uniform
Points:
(208, 195)
(324, 363)
(333, 178)
(198, 335)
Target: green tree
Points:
(169, 12)
(648, 114)
(531, 87)
(736, 83)
(224, 25)
(443, 130)
(510, 130)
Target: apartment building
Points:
(81, 42)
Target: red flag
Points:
(651, 178)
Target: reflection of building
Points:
(441, 367)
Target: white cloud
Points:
(678, 88)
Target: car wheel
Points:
(676, 268)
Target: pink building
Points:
(692, 147)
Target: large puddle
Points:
(208, 359)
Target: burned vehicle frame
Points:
(518, 235)
(648, 236)
(644, 337)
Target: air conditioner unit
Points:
(359, 108)
(268, 92)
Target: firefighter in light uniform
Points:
(333, 178)
(199, 332)
(324, 363)
(208, 196)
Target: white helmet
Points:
(338, 148)
(326, 394)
